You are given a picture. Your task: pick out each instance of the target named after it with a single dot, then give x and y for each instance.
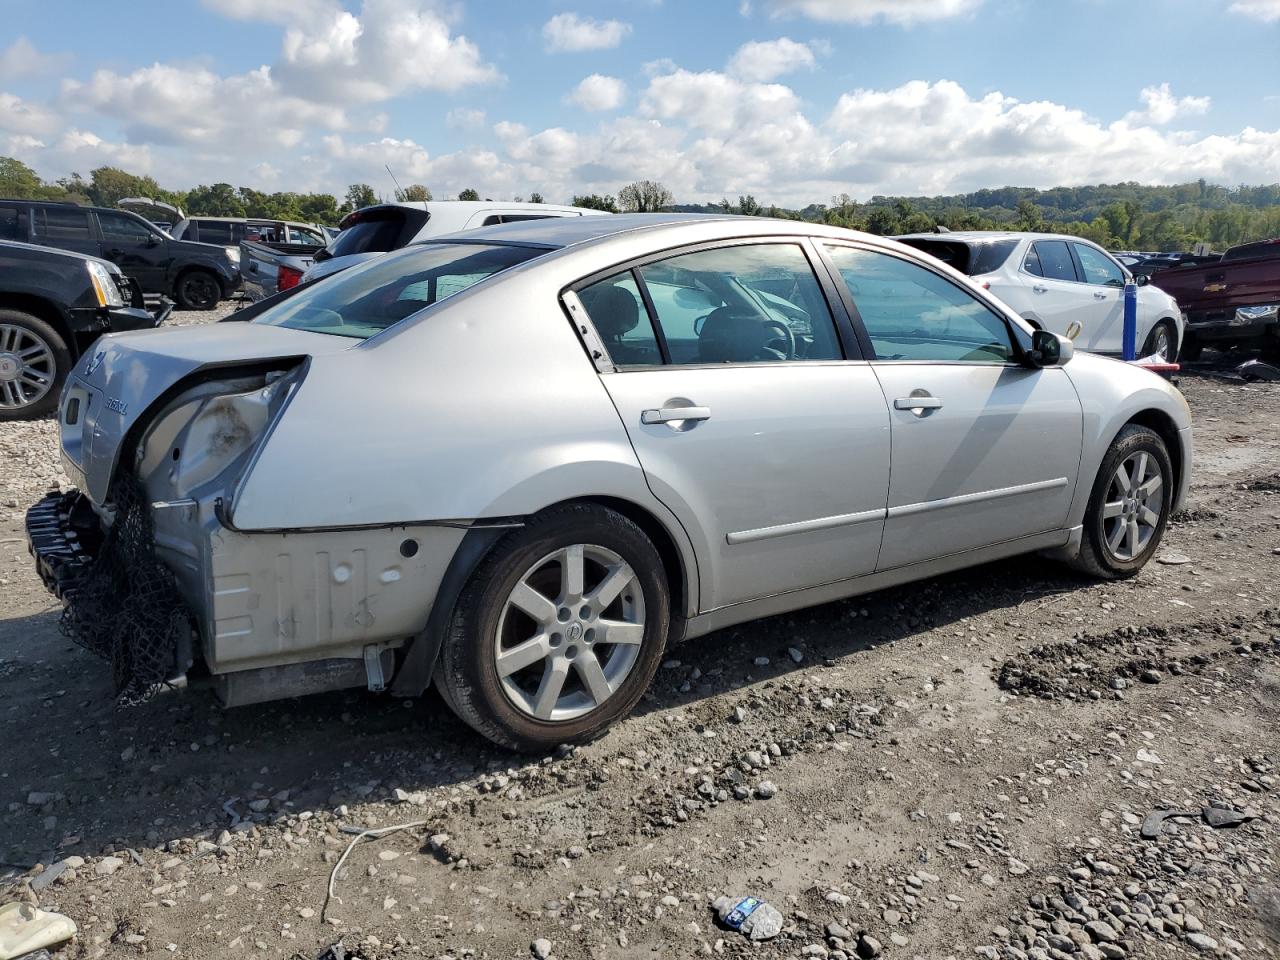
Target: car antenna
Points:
(399, 191)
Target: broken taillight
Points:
(288, 278)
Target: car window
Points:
(754, 303)
(62, 223)
(972, 258)
(116, 226)
(308, 237)
(616, 308)
(911, 313)
(11, 224)
(1051, 259)
(368, 299)
(213, 231)
(1098, 267)
(377, 232)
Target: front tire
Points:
(197, 290)
(1162, 341)
(559, 631)
(1129, 507)
(34, 363)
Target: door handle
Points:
(917, 405)
(674, 414)
(1039, 289)
(1099, 296)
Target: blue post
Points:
(1130, 343)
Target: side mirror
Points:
(1049, 349)
(1141, 279)
(153, 240)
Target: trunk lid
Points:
(123, 376)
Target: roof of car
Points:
(986, 236)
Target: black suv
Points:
(197, 275)
(53, 305)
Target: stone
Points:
(541, 948)
(1101, 932)
(796, 656)
(1202, 942)
(766, 790)
(107, 866)
(868, 947)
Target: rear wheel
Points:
(34, 362)
(1129, 506)
(1162, 342)
(198, 290)
(559, 632)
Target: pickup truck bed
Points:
(1235, 301)
(268, 268)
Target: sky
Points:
(792, 101)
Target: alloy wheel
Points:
(1131, 511)
(570, 632)
(200, 291)
(1162, 345)
(27, 367)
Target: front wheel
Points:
(1129, 506)
(1162, 342)
(198, 290)
(34, 361)
(559, 631)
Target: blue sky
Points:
(792, 100)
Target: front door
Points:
(984, 449)
(133, 247)
(1105, 281)
(770, 447)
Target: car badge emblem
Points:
(94, 363)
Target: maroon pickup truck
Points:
(1232, 302)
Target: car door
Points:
(65, 226)
(984, 450)
(1057, 297)
(135, 248)
(752, 426)
(1104, 331)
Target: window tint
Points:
(616, 308)
(911, 313)
(987, 257)
(62, 223)
(1098, 267)
(970, 258)
(375, 233)
(1266, 250)
(116, 226)
(1051, 259)
(366, 300)
(212, 231)
(741, 304)
(11, 224)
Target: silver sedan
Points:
(522, 461)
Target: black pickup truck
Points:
(53, 306)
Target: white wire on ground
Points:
(375, 834)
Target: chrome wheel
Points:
(570, 632)
(27, 367)
(1161, 345)
(1131, 511)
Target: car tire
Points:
(27, 340)
(197, 290)
(575, 682)
(1110, 549)
(1162, 333)
(1191, 348)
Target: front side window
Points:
(62, 223)
(754, 303)
(1098, 267)
(116, 226)
(366, 300)
(12, 226)
(1051, 259)
(911, 313)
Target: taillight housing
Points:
(288, 278)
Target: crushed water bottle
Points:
(750, 916)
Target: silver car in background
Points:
(522, 461)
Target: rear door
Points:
(136, 249)
(752, 424)
(66, 227)
(984, 449)
(1104, 333)
(1058, 297)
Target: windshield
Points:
(366, 300)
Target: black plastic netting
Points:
(127, 608)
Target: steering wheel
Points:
(787, 336)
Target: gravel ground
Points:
(962, 767)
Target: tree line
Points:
(1126, 216)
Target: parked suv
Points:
(53, 305)
(1056, 281)
(231, 230)
(197, 275)
(373, 231)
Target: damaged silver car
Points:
(522, 461)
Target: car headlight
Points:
(104, 285)
(1270, 311)
(233, 254)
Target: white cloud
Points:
(22, 59)
(904, 12)
(1268, 11)
(1162, 107)
(283, 12)
(465, 118)
(598, 92)
(19, 116)
(762, 61)
(568, 32)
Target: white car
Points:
(1055, 281)
(372, 231)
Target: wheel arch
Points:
(1162, 424)
(48, 312)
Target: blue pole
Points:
(1130, 345)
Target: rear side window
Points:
(1268, 250)
(1051, 259)
(617, 310)
(12, 224)
(988, 257)
(213, 231)
(62, 223)
(495, 218)
(969, 258)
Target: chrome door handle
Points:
(915, 404)
(1099, 296)
(1039, 289)
(674, 414)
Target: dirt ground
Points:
(956, 768)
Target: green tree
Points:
(219, 200)
(593, 201)
(882, 221)
(535, 197)
(19, 181)
(109, 185)
(360, 195)
(1030, 217)
(414, 193)
(319, 208)
(645, 196)
(469, 194)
